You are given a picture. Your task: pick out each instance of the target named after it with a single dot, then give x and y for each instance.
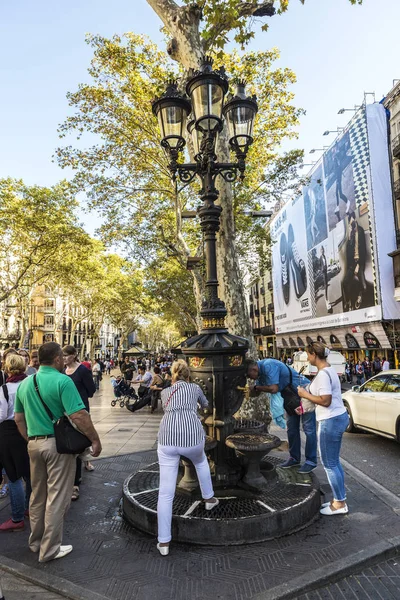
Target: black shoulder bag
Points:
(69, 440)
(291, 399)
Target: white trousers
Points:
(168, 458)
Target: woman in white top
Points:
(181, 434)
(325, 392)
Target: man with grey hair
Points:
(273, 376)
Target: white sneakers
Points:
(210, 505)
(63, 551)
(163, 550)
(327, 510)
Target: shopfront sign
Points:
(335, 342)
(351, 341)
(370, 340)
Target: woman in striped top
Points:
(181, 434)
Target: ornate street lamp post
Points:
(257, 501)
(215, 356)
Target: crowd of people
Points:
(36, 390)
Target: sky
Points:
(337, 51)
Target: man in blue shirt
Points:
(273, 376)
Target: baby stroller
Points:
(122, 392)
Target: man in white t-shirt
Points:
(385, 365)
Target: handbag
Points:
(69, 440)
(291, 399)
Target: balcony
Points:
(257, 312)
(271, 307)
(396, 189)
(396, 146)
(256, 330)
(262, 291)
(270, 286)
(267, 330)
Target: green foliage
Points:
(234, 20)
(39, 235)
(125, 173)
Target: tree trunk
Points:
(186, 47)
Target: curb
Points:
(318, 578)
(48, 581)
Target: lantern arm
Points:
(187, 171)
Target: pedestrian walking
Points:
(13, 448)
(385, 364)
(333, 420)
(274, 376)
(181, 434)
(96, 371)
(84, 383)
(52, 473)
(359, 373)
(377, 365)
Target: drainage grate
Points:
(149, 501)
(143, 481)
(283, 496)
(232, 508)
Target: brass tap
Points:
(245, 389)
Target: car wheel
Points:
(350, 428)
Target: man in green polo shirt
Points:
(52, 474)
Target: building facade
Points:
(261, 308)
(331, 270)
(49, 317)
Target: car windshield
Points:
(376, 384)
(393, 385)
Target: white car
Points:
(375, 405)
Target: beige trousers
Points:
(52, 479)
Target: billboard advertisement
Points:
(324, 256)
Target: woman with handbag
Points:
(83, 380)
(325, 392)
(13, 448)
(181, 434)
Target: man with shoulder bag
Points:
(46, 404)
(273, 376)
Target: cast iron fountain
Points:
(258, 500)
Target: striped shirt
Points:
(180, 425)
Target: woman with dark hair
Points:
(13, 448)
(83, 380)
(325, 392)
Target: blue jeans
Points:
(310, 429)
(19, 498)
(330, 440)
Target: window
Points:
(49, 321)
(393, 385)
(375, 385)
(48, 303)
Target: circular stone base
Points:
(291, 502)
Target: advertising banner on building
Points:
(325, 271)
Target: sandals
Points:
(75, 493)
